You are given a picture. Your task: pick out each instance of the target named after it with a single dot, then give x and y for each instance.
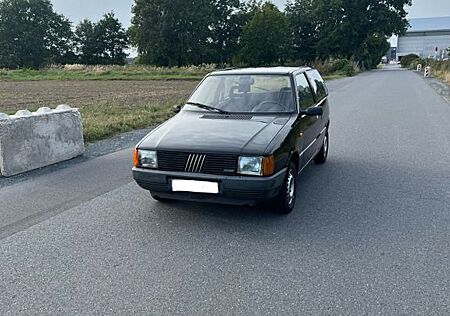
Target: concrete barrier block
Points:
(63, 107)
(44, 110)
(30, 141)
(23, 113)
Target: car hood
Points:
(211, 132)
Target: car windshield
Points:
(245, 94)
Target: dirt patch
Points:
(107, 107)
(32, 95)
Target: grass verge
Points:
(124, 73)
(104, 121)
(439, 69)
(334, 76)
(443, 75)
(82, 72)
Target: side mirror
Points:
(177, 109)
(313, 111)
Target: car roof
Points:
(260, 71)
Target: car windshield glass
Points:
(246, 93)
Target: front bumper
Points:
(237, 190)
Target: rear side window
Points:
(318, 85)
(305, 95)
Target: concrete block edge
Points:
(41, 111)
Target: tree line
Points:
(33, 35)
(222, 32)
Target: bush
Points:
(336, 66)
(349, 70)
(339, 64)
(408, 59)
(415, 62)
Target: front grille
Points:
(195, 163)
(218, 164)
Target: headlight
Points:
(256, 166)
(250, 166)
(145, 159)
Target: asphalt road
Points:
(370, 235)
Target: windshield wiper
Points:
(207, 107)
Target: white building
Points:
(427, 37)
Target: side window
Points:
(318, 85)
(306, 98)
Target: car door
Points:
(320, 92)
(305, 124)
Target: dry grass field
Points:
(107, 107)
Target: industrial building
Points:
(426, 37)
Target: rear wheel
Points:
(322, 156)
(284, 203)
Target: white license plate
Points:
(195, 186)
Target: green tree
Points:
(112, 40)
(86, 43)
(146, 33)
(347, 28)
(370, 52)
(103, 42)
(265, 39)
(358, 22)
(32, 34)
(225, 29)
(301, 17)
(172, 32)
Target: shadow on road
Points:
(346, 199)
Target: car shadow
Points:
(350, 196)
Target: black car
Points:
(242, 137)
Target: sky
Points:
(77, 10)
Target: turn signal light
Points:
(268, 166)
(135, 158)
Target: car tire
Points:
(322, 156)
(284, 203)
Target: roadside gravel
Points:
(440, 87)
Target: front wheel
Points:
(322, 156)
(284, 203)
